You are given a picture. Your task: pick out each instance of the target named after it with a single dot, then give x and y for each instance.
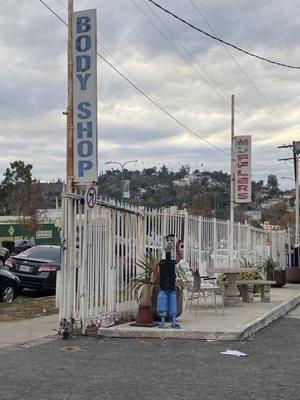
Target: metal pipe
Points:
(70, 127)
(232, 186)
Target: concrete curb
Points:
(254, 326)
(269, 317)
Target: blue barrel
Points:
(172, 305)
(162, 304)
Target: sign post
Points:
(240, 176)
(70, 154)
(232, 181)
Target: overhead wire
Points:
(241, 68)
(189, 130)
(143, 92)
(221, 40)
(243, 114)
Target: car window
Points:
(49, 253)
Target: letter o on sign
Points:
(91, 197)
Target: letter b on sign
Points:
(83, 24)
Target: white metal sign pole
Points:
(232, 187)
(70, 155)
(297, 237)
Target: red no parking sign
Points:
(91, 197)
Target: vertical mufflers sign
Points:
(243, 169)
(85, 97)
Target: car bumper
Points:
(45, 280)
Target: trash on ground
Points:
(234, 353)
(72, 349)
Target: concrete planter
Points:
(293, 274)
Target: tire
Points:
(7, 293)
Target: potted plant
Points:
(143, 280)
(293, 270)
(273, 272)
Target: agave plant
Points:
(145, 265)
(269, 266)
(246, 263)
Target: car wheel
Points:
(7, 293)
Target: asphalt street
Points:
(93, 368)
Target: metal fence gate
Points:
(101, 249)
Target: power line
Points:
(241, 69)
(246, 116)
(243, 114)
(221, 40)
(189, 130)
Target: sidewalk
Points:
(238, 322)
(12, 333)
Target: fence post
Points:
(185, 235)
(215, 242)
(248, 241)
(200, 244)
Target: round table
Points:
(232, 296)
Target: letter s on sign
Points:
(85, 112)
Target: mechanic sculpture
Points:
(166, 302)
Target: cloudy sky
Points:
(190, 75)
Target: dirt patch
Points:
(25, 308)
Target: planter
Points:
(179, 299)
(293, 274)
(279, 276)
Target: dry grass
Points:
(26, 307)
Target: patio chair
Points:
(203, 287)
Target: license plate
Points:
(24, 268)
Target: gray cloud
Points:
(33, 83)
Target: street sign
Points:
(126, 189)
(91, 197)
(85, 97)
(242, 169)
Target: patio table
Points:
(232, 296)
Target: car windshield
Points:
(48, 253)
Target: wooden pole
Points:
(297, 233)
(70, 127)
(232, 187)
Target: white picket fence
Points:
(102, 247)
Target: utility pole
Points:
(70, 123)
(296, 151)
(232, 186)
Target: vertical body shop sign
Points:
(243, 169)
(85, 97)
